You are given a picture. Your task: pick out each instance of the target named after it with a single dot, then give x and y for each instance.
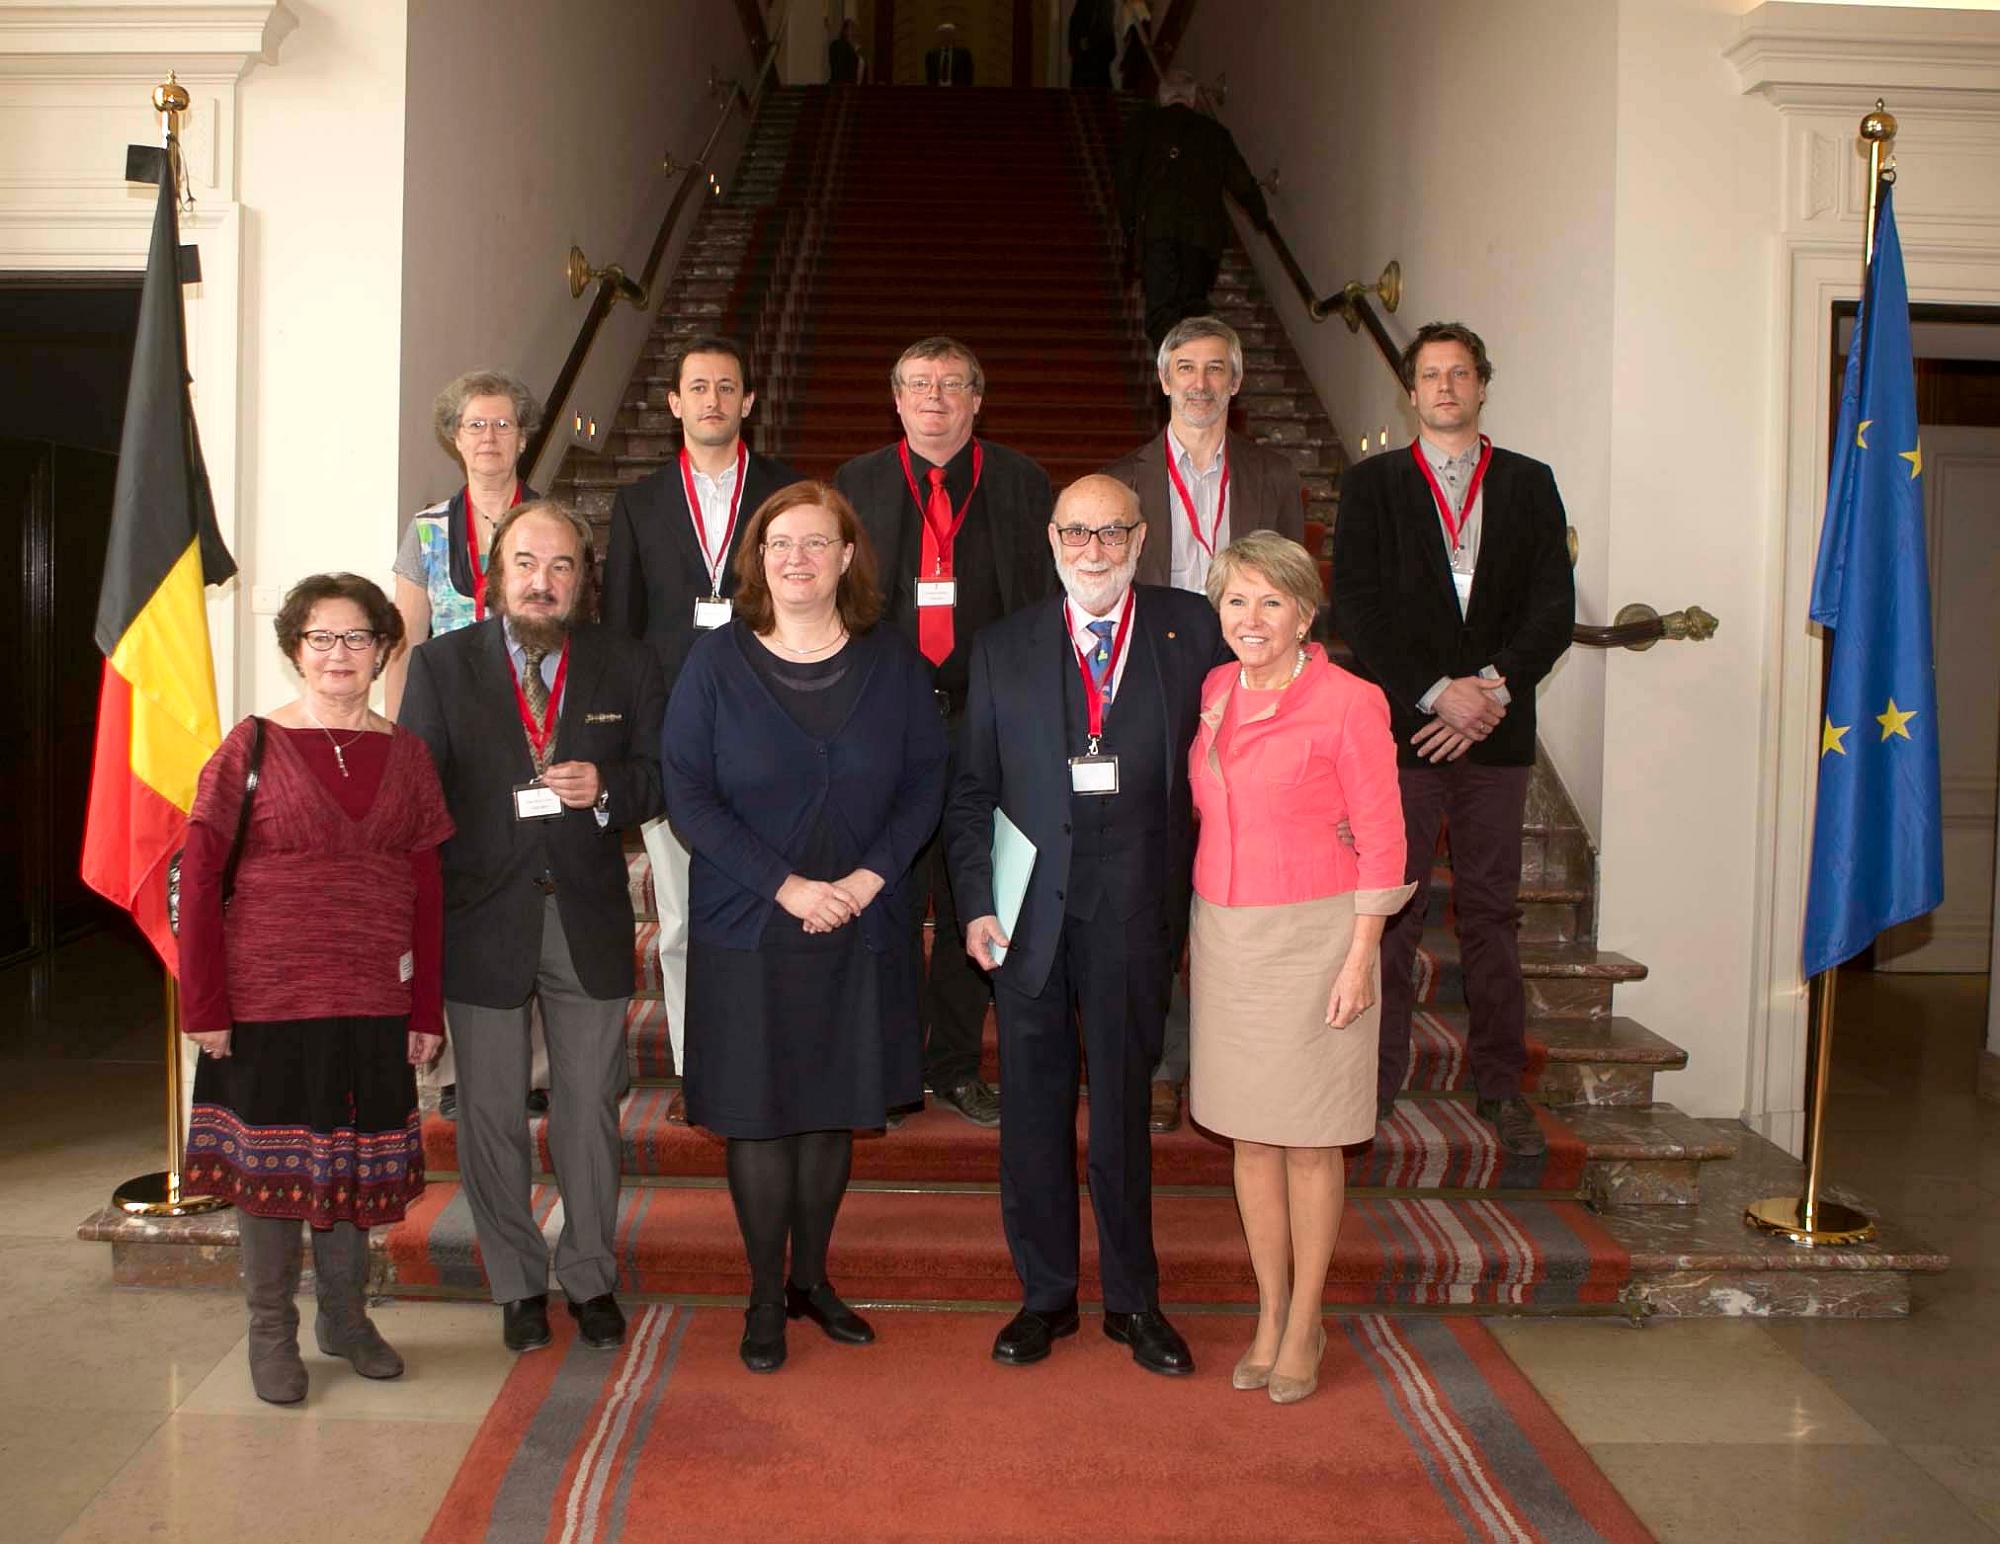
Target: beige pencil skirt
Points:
(1263, 1064)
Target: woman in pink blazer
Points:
(1298, 867)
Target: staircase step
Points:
(1563, 980)
(1571, 1061)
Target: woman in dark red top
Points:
(314, 988)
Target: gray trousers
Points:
(1173, 1065)
(587, 1078)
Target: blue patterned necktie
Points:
(1100, 658)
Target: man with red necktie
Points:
(957, 525)
(1452, 584)
(1200, 486)
(670, 573)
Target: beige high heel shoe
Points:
(1249, 1374)
(1289, 1391)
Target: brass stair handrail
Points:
(613, 283)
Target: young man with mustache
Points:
(1077, 724)
(1200, 486)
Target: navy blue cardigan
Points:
(745, 785)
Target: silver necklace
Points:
(339, 747)
(1243, 676)
(816, 649)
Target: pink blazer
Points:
(1272, 793)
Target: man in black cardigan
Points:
(669, 574)
(1452, 584)
(958, 527)
(545, 732)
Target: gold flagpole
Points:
(1809, 1219)
(159, 1195)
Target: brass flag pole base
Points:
(1832, 1223)
(159, 1195)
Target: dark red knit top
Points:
(338, 909)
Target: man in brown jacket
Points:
(1200, 486)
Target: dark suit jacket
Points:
(1264, 495)
(745, 785)
(653, 565)
(1011, 510)
(460, 699)
(1013, 754)
(1174, 165)
(1394, 604)
(961, 66)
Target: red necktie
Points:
(934, 635)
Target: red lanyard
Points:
(472, 548)
(1450, 518)
(1093, 698)
(941, 540)
(1206, 543)
(539, 735)
(714, 560)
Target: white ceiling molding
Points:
(198, 38)
(1819, 56)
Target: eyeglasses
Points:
(811, 546)
(923, 385)
(359, 639)
(478, 426)
(1110, 537)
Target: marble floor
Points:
(128, 1414)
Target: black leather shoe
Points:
(448, 1102)
(524, 1323)
(1030, 1335)
(1514, 1119)
(825, 1309)
(538, 1101)
(600, 1322)
(1156, 1345)
(763, 1344)
(976, 1099)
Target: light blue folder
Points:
(1013, 862)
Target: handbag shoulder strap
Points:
(251, 777)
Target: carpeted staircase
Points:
(844, 237)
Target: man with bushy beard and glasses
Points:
(545, 731)
(1200, 486)
(1077, 724)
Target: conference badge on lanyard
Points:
(715, 609)
(1094, 772)
(534, 799)
(936, 584)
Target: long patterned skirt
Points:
(311, 1118)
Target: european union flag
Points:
(1878, 852)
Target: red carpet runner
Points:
(1422, 1429)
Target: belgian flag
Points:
(157, 722)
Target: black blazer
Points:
(460, 699)
(1013, 754)
(1263, 496)
(653, 565)
(1394, 604)
(1174, 165)
(1011, 510)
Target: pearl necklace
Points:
(1243, 676)
(339, 747)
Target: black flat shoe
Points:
(974, 1098)
(524, 1323)
(448, 1102)
(600, 1322)
(1031, 1334)
(825, 1309)
(763, 1344)
(1514, 1119)
(1156, 1345)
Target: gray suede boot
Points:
(271, 1260)
(340, 1262)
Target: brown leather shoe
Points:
(677, 1109)
(1164, 1111)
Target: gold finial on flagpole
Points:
(1879, 129)
(170, 100)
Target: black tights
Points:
(788, 1187)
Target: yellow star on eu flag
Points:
(1831, 736)
(1861, 433)
(1895, 721)
(1915, 458)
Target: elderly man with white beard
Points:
(1078, 718)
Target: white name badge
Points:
(536, 801)
(713, 612)
(1463, 584)
(406, 967)
(937, 592)
(1093, 774)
